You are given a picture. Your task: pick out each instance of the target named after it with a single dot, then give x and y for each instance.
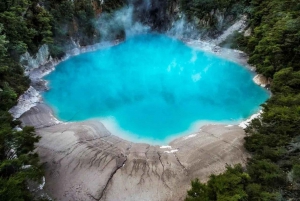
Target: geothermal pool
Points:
(152, 88)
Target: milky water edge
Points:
(151, 88)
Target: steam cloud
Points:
(133, 19)
(119, 24)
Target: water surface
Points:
(152, 87)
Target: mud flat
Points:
(84, 161)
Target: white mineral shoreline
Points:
(85, 161)
(32, 96)
(114, 128)
(39, 69)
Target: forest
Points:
(272, 172)
(23, 26)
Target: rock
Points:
(216, 48)
(40, 85)
(248, 32)
(239, 25)
(25, 102)
(30, 62)
(261, 80)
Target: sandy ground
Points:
(84, 161)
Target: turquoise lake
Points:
(152, 88)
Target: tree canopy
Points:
(23, 26)
(273, 139)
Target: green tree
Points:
(3, 43)
(228, 186)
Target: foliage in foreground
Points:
(23, 26)
(273, 172)
(233, 185)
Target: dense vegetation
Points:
(71, 20)
(23, 26)
(273, 139)
(77, 22)
(212, 16)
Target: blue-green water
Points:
(153, 87)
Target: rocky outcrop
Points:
(33, 61)
(248, 32)
(84, 161)
(239, 26)
(261, 80)
(26, 101)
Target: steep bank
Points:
(116, 19)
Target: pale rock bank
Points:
(26, 101)
(84, 161)
(40, 58)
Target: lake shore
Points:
(84, 161)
